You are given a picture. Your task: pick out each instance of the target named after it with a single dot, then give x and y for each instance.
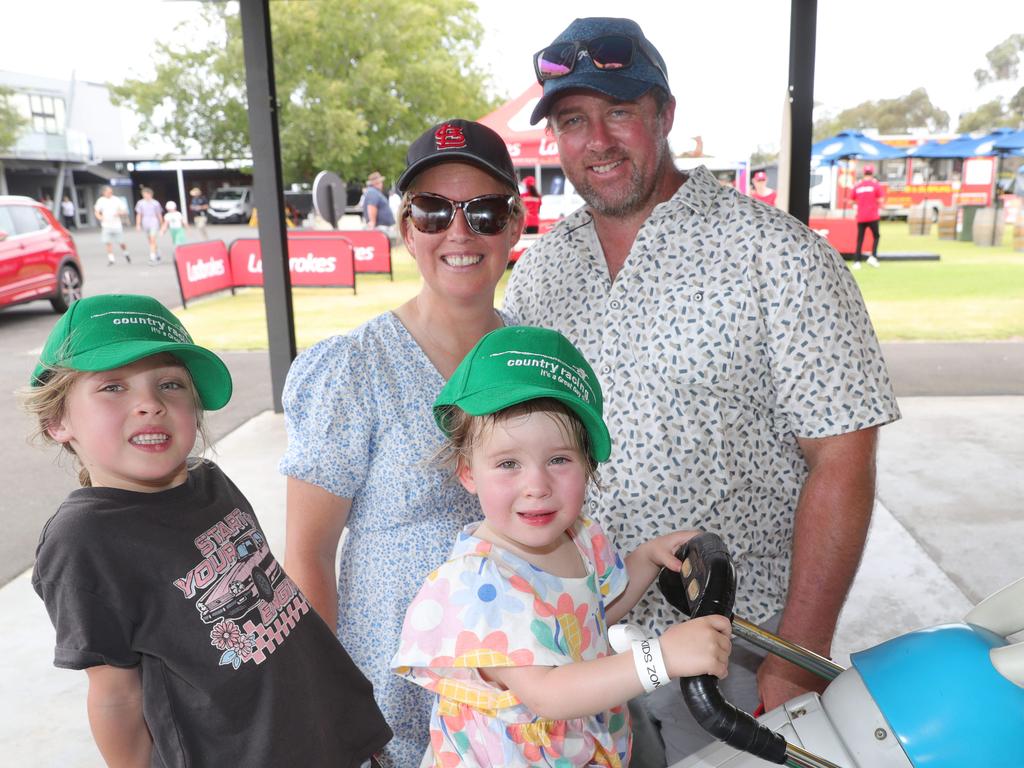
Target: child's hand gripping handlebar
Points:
(707, 585)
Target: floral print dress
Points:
(487, 607)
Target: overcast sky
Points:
(727, 60)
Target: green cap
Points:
(515, 364)
(103, 332)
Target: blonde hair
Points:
(518, 211)
(48, 404)
(465, 432)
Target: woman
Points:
(360, 429)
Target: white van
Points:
(230, 205)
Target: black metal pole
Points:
(803, 24)
(268, 182)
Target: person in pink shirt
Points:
(868, 195)
(761, 190)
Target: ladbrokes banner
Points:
(202, 268)
(371, 249)
(208, 267)
(312, 261)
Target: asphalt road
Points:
(34, 484)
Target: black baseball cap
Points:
(459, 141)
(629, 84)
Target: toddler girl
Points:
(511, 632)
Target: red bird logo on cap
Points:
(450, 136)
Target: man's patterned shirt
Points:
(730, 331)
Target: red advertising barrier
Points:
(210, 266)
(202, 268)
(840, 233)
(370, 249)
(320, 262)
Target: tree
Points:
(987, 117)
(11, 121)
(899, 115)
(356, 83)
(1003, 64)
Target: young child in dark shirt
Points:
(157, 576)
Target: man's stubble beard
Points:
(639, 192)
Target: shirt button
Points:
(615, 304)
(606, 369)
(593, 505)
(698, 296)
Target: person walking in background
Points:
(110, 211)
(67, 212)
(745, 383)
(174, 222)
(532, 201)
(868, 195)
(149, 216)
(376, 208)
(761, 190)
(197, 208)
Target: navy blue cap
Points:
(461, 141)
(626, 84)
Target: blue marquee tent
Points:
(853, 144)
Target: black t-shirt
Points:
(237, 668)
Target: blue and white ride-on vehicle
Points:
(947, 697)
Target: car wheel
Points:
(69, 288)
(263, 585)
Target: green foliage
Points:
(1003, 61)
(1003, 64)
(899, 115)
(990, 115)
(763, 156)
(11, 121)
(356, 83)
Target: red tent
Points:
(529, 145)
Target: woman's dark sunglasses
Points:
(608, 52)
(486, 215)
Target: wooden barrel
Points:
(947, 224)
(1018, 232)
(919, 220)
(984, 223)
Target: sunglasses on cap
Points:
(608, 52)
(486, 214)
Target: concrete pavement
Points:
(946, 532)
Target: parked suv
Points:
(230, 205)
(38, 258)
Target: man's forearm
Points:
(830, 529)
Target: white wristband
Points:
(650, 666)
(621, 636)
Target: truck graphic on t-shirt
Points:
(252, 577)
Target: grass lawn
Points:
(971, 293)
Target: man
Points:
(198, 205)
(376, 209)
(868, 195)
(110, 211)
(743, 380)
(762, 191)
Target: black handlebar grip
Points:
(707, 585)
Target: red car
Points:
(38, 258)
